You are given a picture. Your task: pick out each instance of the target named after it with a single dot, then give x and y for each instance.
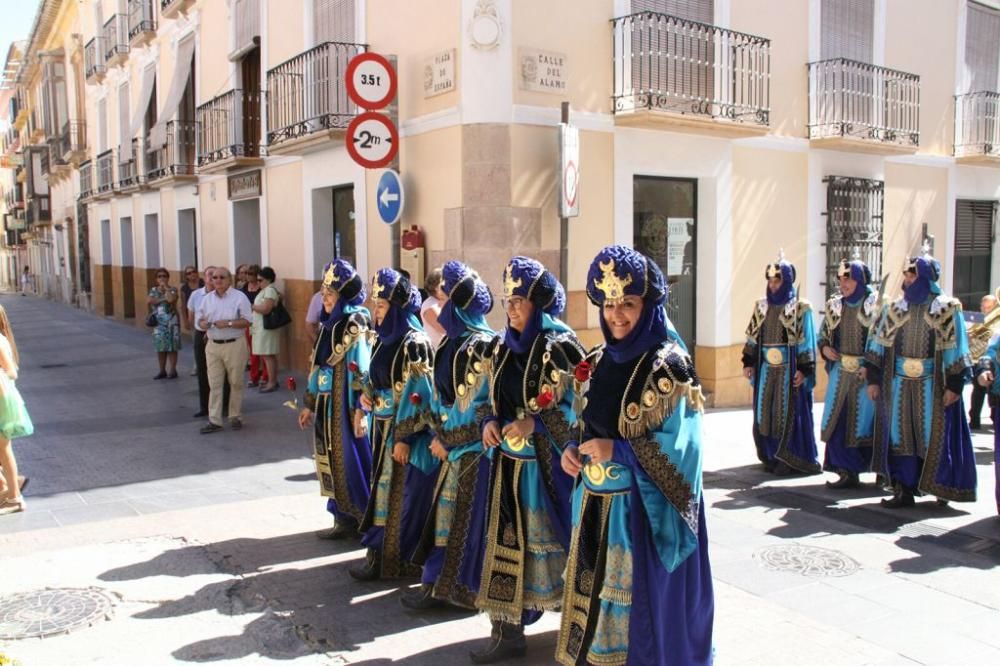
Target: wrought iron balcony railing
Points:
(94, 58)
(308, 93)
(666, 63)
(86, 179)
(977, 124)
(129, 172)
(39, 209)
(115, 37)
(229, 127)
(855, 99)
(105, 172)
(141, 18)
(178, 157)
(72, 139)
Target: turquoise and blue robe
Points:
(914, 353)
(638, 580)
(452, 546)
(401, 495)
(848, 412)
(343, 461)
(781, 340)
(528, 519)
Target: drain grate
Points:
(809, 561)
(53, 611)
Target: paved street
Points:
(205, 543)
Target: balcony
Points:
(863, 107)
(174, 8)
(86, 180)
(307, 102)
(130, 174)
(176, 161)
(116, 40)
(105, 173)
(141, 22)
(94, 67)
(58, 167)
(73, 141)
(977, 128)
(683, 74)
(38, 210)
(229, 130)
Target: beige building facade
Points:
(712, 133)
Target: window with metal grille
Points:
(853, 225)
(975, 222)
(685, 54)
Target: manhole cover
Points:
(810, 561)
(55, 611)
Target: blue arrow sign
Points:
(389, 196)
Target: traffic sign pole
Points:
(564, 221)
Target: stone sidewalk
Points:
(209, 550)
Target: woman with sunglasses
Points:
(398, 395)
(638, 580)
(162, 301)
(532, 397)
(451, 549)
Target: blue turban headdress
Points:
(786, 271)
(928, 272)
(619, 271)
(528, 278)
(858, 271)
(404, 304)
(469, 299)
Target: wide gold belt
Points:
(913, 367)
(850, 363)
(774, 356)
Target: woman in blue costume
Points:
(917, 365)
(849, 414)
(638, 580)
(532, 397)
(341, 448)
(452, 545)
(988, 376)
(779, 359)
(398, 394)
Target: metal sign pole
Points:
(564, 221)
(396, 228)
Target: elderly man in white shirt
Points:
(224, 314)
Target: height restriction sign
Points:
(371, 81)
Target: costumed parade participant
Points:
(399, 397)
(532, 397)
(638, 581)
(849, 414)
(917, 364)
(779, 359)
(988, 377)
(340, 357)
(451, 550)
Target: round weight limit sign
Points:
(371, 81)
(372, 140)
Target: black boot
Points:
(782, 469)
(769, 466)
(506, 642)
(846, 480)
(901, 498)
(340, 530)
(372, 568)
(421, 599)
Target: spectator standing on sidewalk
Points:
(265, 342)
(251, 287)
(224, 314)
(199, 342)
(14, 419)
(313, 313)
(191, 283)
(979, 394)
(25, 280)
(430, 309)
(162, 300)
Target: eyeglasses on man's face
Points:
(220, 277)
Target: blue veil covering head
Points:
(928, 272)
(619, 271)
(404, 304)
(858, 271)
(341, 277)
(786, 271)
(528, 278)
(469, 300)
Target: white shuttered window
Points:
(246, 26)
(982, 47)
(333, 21)
(847, 29)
